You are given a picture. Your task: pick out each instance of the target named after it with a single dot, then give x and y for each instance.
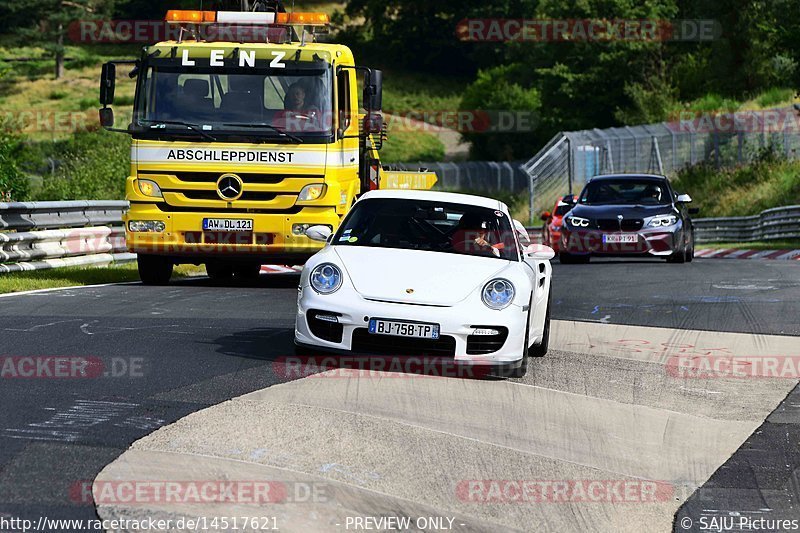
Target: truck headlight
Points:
(663, 221)
(312, 192)
(326, 278)
(498, 294)
(146, 226)
(149, 188)
(579, 222)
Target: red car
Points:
(551, 232)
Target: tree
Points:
(50, 21)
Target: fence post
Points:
(531, 189)
(570, 164)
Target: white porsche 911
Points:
(428, 274)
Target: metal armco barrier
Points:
(474, 176)
(772, 224)
(42, 235)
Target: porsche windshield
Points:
(626, 191)
(431, 226)
(295, 102)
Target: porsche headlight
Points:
(498, 294)
(579, 222)
(326, 278)
(663, 221)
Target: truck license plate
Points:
(227, 224)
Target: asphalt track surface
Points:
(169, 352)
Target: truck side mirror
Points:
(108, 80)
(373, 123)
(107, 117)
(373, 91)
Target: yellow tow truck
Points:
(239, 146)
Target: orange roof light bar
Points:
(303, 18)
(191, 16)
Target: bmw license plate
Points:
(398, 328)
(614, 238)
(227, 224)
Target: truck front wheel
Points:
(154, 269)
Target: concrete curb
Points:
(737, 253)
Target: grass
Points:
(767, 245)
(44, 108)
(410, 146)
(407, 92)
(79, 276)
(741, 191)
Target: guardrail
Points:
(42, 235)
(772, 224)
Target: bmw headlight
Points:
(579, 222)
(326, 278)
(663, 221)
(498, 294)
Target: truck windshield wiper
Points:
(193, 127)
(264, 125)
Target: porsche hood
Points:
(416, 277)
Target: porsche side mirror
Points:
(524, 238)
(545, 216)
(540, 252)
(319, 233)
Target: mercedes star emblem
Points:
(230, 187)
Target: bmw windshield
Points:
(626, 192)
(430, 226)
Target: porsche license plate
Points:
(227, 224)
(398, 328)
(614, 238)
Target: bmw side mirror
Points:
(684, 199)
(319, 233)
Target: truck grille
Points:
(197, 192)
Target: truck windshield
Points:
(237, 102)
